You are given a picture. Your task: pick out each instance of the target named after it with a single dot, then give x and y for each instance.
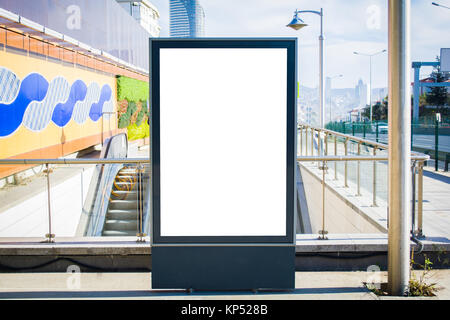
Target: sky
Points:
(349, 26)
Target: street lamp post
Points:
(370, 91)
(297, 24)
(339, 76)
(439, 5)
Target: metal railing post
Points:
(359, 172)
(436, 146)
(335, 153)
(413, 196)
(420, 201)
(323, 233)
(306, 141)
(374, 180)
(319, 140)
(50, 237)
(312, 142)
(301, 141)
(378, 133)
(346, 164)
(140, 199)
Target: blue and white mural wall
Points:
(50, 109)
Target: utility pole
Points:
(399, 147)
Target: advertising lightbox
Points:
(223, 128)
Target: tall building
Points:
(361, 94)
(187, 19)
(145, 13)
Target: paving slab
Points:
(309, 286)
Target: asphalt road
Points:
(419, 140)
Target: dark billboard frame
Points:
(226, 43)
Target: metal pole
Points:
(323, 233)
(322, 84)
(346, 164)
(399, 147)
(306, 140)
(301, 141)
(374, 181)
(420, 201)
(335, 153)
(416, 91)
(370, 91)
(359, 172)
(436, 146)
(50, 237)
(377, 134)
(319, 143)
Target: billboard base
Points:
(223, 268)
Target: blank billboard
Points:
(223, 151)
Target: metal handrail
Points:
(50, 237)
(323, 135)
(378, 145)
(346, 136)
(72, 161)
(354, 158)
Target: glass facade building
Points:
(101, 24)
(187, 19)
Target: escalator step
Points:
(122, 214)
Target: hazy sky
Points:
(349, 25)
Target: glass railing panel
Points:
(86, 200)
(24, 202)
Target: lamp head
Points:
(296, 23)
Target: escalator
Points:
(118, 199)
(122, 216)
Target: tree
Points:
(438, 95)
(379, 111)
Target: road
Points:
(419, 140)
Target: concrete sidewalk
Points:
(309, 286)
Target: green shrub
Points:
(132, 89)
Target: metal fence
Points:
(129, 193)
(350, 156)
(428, 136)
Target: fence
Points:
(427, 136)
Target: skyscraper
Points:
(187, 19)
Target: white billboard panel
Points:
(223, 131)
